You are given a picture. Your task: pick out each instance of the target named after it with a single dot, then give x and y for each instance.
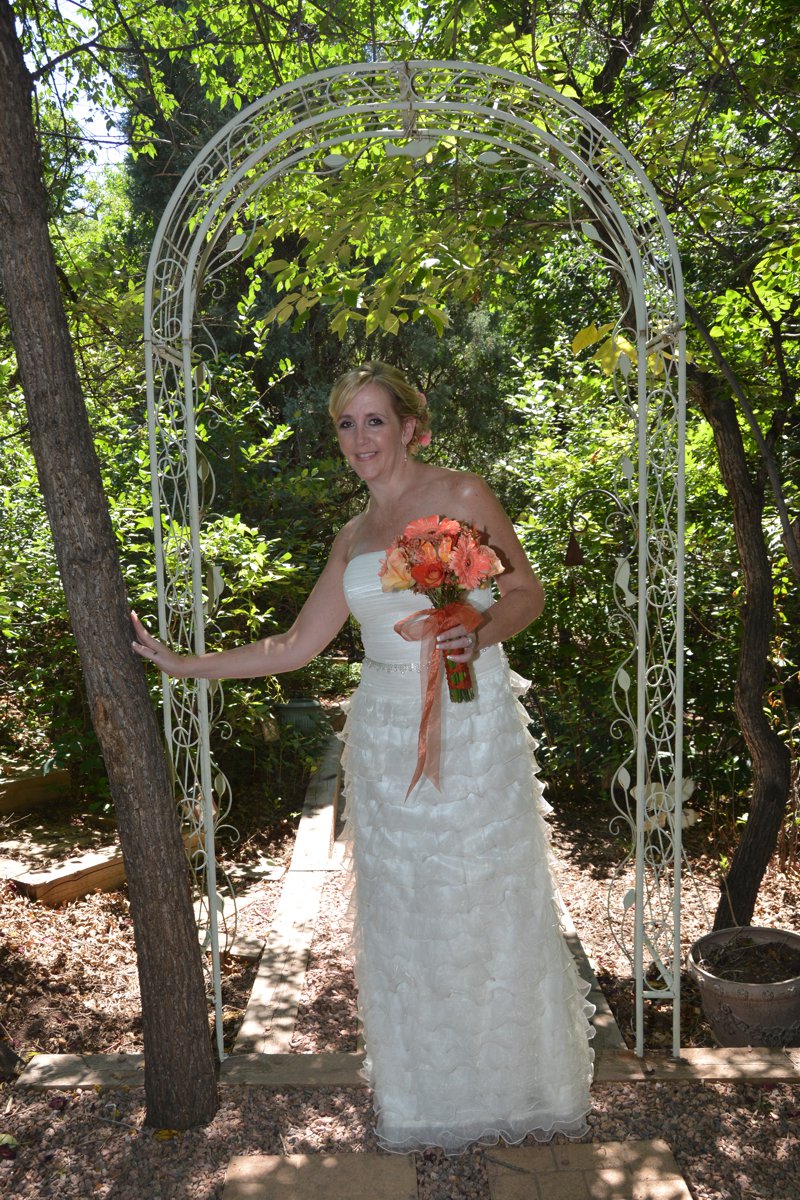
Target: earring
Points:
(405, 453)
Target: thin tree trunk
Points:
(180, 1078)
(769, 755)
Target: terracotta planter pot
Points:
(747, 1014)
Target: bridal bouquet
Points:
(441, 559)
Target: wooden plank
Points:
(271, 1014)
(329, 1069)
(618, 1066)
(723, 1063)
(100, 871)
(607, 1033)
(314, 840)
(83, 1070)
(19, 795)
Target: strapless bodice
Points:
(377, 611)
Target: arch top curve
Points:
(408, 106)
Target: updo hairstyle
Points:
(407, 401)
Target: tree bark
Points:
(636, 17)
(769, 755)
(180, 1082)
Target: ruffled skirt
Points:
(475, 1019)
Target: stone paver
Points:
(246, 946)
(643, 1170)
(247, 881)
(321, 1177)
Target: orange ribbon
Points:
(424, 626)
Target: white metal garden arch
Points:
(502, 121)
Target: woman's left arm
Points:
(521, 598)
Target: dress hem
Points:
(453, 1145)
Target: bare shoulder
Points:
(473, 487)
(476, 502)
(345, 539)
(467, 497)
(471, 496)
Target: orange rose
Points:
(427, 552)
(493, 564)
(445, 550)
(429, 574)
(394, 573)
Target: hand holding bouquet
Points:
(442, 559)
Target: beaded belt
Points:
(392, 668)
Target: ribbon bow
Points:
(424, 626)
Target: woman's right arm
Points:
(320, 619)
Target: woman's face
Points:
(371, 435)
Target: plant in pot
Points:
(300, 708)
(749, 983)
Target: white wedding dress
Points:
(475, 1020)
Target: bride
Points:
(474, 1017)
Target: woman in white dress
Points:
(475, 1019)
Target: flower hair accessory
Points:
(424, 439)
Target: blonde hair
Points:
(407, 401)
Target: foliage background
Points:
(475, 290)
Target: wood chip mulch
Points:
(68, 984)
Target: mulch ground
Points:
(68, 984)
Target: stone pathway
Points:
(635, 1170)
(586, 1171)
(271, 1013)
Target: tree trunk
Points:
(769, 755)
(180, 1081)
